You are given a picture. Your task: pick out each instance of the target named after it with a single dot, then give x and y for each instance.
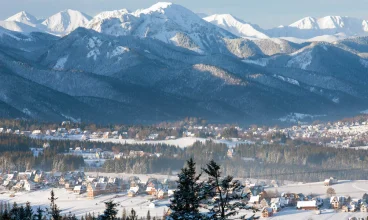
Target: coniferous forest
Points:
(297, 161)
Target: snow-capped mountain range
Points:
(165, 63)
(59, 24)
(161, 20)
(236, 26)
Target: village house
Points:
(267, 212)
(330, 181)
(254, 200)
(275, 207)
(106, 135)
(153, 186)
(134, 190)
(364, 207)
(77, 190)
(100, 188)
(280, 201)
(162, 194)
(307, 205)
(264, 203)
(152, 136)
(337, 202)
(29, 186)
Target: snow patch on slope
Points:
(259, 62)
(61, 63)
(300, 59)
(288, 80)
(93, 44)
(119, 50)
(295, 117)
(364, 63)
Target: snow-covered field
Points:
(180, 142)
(80, 205)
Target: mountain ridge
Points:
(167, 63)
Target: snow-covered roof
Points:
(302, 204)
(254, 199)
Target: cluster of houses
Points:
(78, 183)
(271, 204)
(345, 204)
(153, 187)
(96, 157)
(338, 134)
(36, 179)
(268, 206)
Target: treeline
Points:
(16, 155)
(48, 161)
(16, 143)
(143, 165)
(295, 160)
(313, 156)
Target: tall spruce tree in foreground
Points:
(187, 196)
(54, 209)
(28, 211)
(39, 213)
(224, 195)
(14, 212)
(110, 212)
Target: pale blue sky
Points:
(266, 13)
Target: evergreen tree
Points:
(186, 199)
(110, 211)
(14, 212)
(221, 192)
(148, 215)
(1, 208)
(365, 197)
(5, 215)
(22, 213)
(28, 211)
(39, 213)
(133, 215)
(54, 209)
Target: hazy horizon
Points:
(266, 14)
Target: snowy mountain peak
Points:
(160, 6)
(169, 11)
(305, 23)
(328, 22)
(23, 17)
(236, 26)
(66, 21)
